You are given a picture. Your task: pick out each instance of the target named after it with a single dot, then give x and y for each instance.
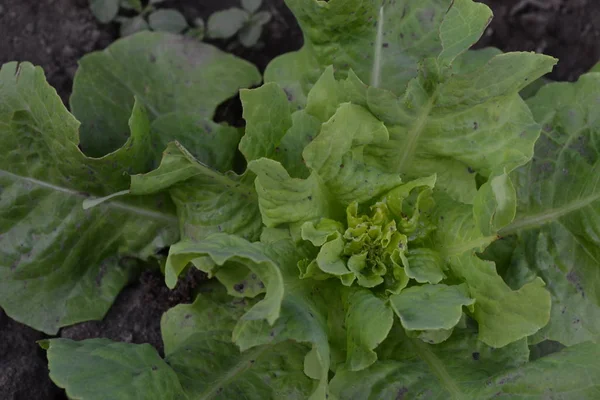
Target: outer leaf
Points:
(504, 315)
(462, 27)
(572, 373)
(408, 368)
(454, 177)
(224, 24)
(430, 307)
(307, 314)
(466, 369)
(368, 322)
(104, 10)
(304, 310)
(304, 129)
(167, 20)
(207, 201)
(283, 137)
(268, 117)
(211, 143)
(559, 211)
(198, 346)
(450, 121)
(376, 39)
(44, 179)
(445, 124)
(326, 95)
(556, 255)
(98, 369)
(222, 249)
(168, 73)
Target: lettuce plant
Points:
(408, 226)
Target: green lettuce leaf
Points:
(286, 200)
(368, 322)
(268, 117)
(291, 310)
(175, 77)
(97, 369)
(61, 264)
(207, 201)
(340, 155)
(305, 310)
(455, 120)
(340, 166)
(558, 211)
(382, 42)
(440, 122)
(504, 314)
(199, 348)
(431, 307)
(572, 373)
(451, 120)
(222, 251)
(465, 368)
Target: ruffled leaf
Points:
(61, 264)
(224, 251)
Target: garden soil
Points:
(56, 33)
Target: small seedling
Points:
(147, 18)
(246, 22)
(199, 29)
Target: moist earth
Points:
(56, 33)
(566, 29)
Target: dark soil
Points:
(281, 35)
(56, 33)
(566, 29)
(23, 365)
(53, 34)
(133, 318)
(135, 315)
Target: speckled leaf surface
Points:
(199, 347)
(344, 34)
(207, 201)
(463, 368)
(558, 215)
(61, 264)
(166, 72)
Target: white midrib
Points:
(113, 204)
(417, 128)
(376, 70)
(537, 220)
(415, 132)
